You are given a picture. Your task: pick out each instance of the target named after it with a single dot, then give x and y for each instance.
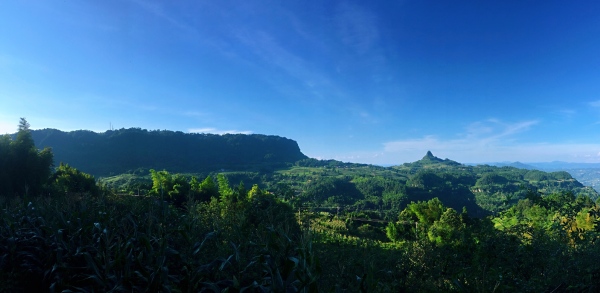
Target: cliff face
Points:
(120, 151)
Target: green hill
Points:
(125, 150)
(275, 162)
(329, 184)
(492, 188)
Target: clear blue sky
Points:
(376, 82)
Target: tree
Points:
(447, 229)
(208, 189)
(426, 212)
(70, 180)
(240, 192)
(24, 135)
(5, 174)
(416, 219)
(25, 169)
(391, 231)
(174, 188)
(254, 192)
(224, 189)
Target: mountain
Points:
(126, 150)
(586, 173)
(486, 187)
(275, 162)
(515, 165)
(562, 166)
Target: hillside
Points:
(123, 157)
(586, 173)
(492, 188)
(126, 150)
(483, 190)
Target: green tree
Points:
(67, 179)
(175, 188)
(254, 192)
(25, 169)
(162, 182)
(426, 212)
(208, 189)
(416, 219)
(240, 193)
(448, 229)
(392, 232)
(225, 189)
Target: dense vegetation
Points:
(586, 173)
(125, 150)
(483, 190)
(23, 168)
(429, 226)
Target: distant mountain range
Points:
(586, 173)
(546, 166)
(137, 150)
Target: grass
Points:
(76, 243)
(136, 244)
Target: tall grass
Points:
(136, 244)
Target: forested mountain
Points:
(125, 150)
(492, 188)
(329, 184)
(273, 162)
(586, 173)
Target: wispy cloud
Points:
(493, 130)
(566, 113)
(490, 140)
(478, 134)
(272, 52)
(595, 104)
(156, 9)
(217, 131)
(357, 27)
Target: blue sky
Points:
(377, 82)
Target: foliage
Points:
(67, 179)
(254, 243)
(24, 170)
(206, 189)
(331, 191)
(136, 244)
(166, 186)
(314, 226)
(121, 151)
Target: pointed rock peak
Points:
(430, 157)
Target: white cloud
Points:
(595, 104)
(217, 131)
(489, 141)
(493, 130)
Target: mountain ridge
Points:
(125, 150)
